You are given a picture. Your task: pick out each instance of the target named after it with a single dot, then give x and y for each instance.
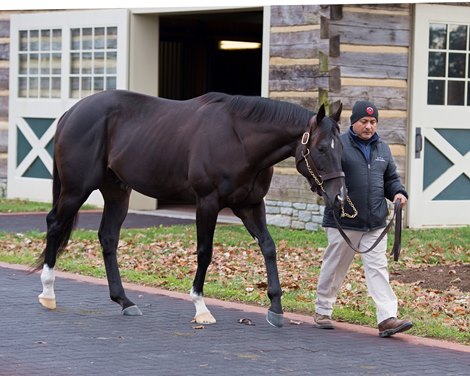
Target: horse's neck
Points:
(272, 145)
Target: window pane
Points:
(455, 93)
(456, 65)
(23, 64)
(33, 64)
(99, 63)
(99, 38)
(87, 63)
(56, 64)
(86, 86)
(457, 37)
(74, 87)
(33, 87)
(45, 64)
(75, 40)
(23, 41)
(75, 63)
(55, 86)
(22, 87)
(45, 40)
(87, 38)
(86, 83)
(56, 40)
(110, 83)
(44, 93)
(111, 62)
(98, 84)
(468, 93)
(111, 40)
(33, 40)
(436, 92)
(437, 64)
(437, 36)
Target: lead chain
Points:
(347, 215)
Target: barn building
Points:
(412, 60)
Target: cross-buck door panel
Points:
(439, 179)
(56, 59)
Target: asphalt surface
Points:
(87, 335)
(87, 220)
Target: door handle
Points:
(418, 143)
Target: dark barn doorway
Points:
(192, 62)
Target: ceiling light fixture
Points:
(238, 45)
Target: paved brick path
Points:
(87, 335)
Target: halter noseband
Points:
(309, 162)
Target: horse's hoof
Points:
(275, 319)
(205, 318)
(132, 311)
(49, 303)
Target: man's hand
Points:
(402, 198)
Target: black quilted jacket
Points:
(368, 185)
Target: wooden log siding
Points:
(374, 43)
(363, 52)
(298, 73)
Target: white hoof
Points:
(49, 303)
(205, 318)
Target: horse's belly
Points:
(159, 185)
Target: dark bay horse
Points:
(215, 150)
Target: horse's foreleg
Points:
(206, 218)
(114, 213)
(254, 219)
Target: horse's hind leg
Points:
(116, 202)
(60, 222)
(206, 219)
(254, 219)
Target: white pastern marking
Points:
(47, 279)
(332, 144)
(198, 301)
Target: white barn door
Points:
(57, 58)
(439, 170)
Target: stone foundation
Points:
(296, 215)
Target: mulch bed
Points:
(438, 277)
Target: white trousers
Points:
(336, 261)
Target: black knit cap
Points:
(362, 109)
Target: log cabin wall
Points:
(331, 54)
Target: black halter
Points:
(312, 169)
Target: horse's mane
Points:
(259, 109)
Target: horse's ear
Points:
(337, 115)
(321, 113)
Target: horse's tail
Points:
(62, 235)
